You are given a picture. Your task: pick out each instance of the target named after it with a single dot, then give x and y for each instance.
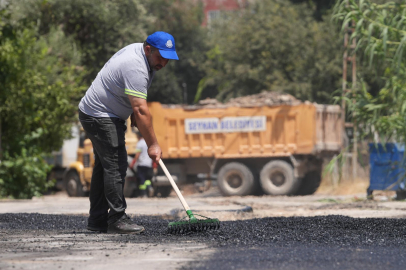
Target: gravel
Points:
(326, 242)
(265, 98)
(325, 230)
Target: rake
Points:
(193, 224)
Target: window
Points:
(213, 15)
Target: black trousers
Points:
(106, 189)
(143, 173)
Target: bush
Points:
(40, 86)
(24, 174)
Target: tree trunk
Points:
(1, 150)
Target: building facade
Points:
(213, 9)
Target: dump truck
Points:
(277, 150)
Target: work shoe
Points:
(125, 226)
(96, 229)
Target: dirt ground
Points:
(332, 229)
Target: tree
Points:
(39, 78)
(183, 19)
(273, 46)
(320, 7)
(99, 28)
(380, 29)
(51, 50)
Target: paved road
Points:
(147, 206)
(310, 232)
(38, 241)
(302, 256)
(226, 208)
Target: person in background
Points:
(144, 166)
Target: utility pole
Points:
(354, 85)
(1, 150)
(184, 93)
(352, 59)
(345, 57)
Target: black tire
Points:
(310, 183)
(401, 195)
(277, 178)
(163, 191)
(235, 179)
(370, 195)
(72, 185)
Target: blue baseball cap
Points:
(165, 43)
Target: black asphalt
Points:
(327, 242)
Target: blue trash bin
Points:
(387, 168)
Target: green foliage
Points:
(51, 50)
(274, 46)
(100, 28)
(320, 7)
(183, 19)
(303, 59)
(24, 174)
(40, 85)
(380, 30)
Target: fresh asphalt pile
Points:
(338, 231)
(317, 243)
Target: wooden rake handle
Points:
(175, 187)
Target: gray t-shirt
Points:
(144, 159)
(126, 73)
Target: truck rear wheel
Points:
(310, 183)
(277, 178)
(163, 191)
(235, 179)
(400, 195)
(72, 184)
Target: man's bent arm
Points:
(135, 159)
(144, 123)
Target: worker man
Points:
(144, 165)
(120, 90)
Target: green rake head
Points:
(193, 224)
